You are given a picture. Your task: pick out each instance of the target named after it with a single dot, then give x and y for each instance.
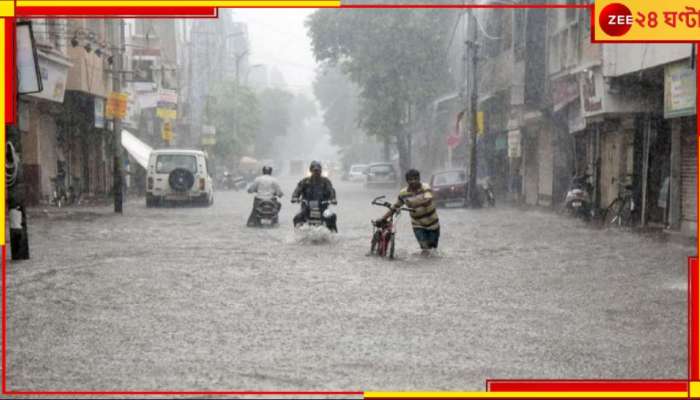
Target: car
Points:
(381, 174)
(178, 176)
(449, 187)
(356, 173)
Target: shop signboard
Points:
(167, 104)
(116, 105)
(99, 112)
(679, 90)
(514, 143)
(53, 78)
(28, 75)
(208, 135)
(591, 91)
(167, 132)
(564, 91)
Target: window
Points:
(450, 178)
(143, 71)
(165, 163)
(382, 169)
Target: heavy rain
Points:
(346, 200)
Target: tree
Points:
(275, 105)
(398, 59)
(340, 100)
(235, 113)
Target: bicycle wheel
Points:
(626, 213)
(392, 246)
(612, 213)
(383, 244)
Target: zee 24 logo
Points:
(617, 19)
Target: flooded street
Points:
(191, 299)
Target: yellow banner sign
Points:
(116, 105)
(648, 21)
(167, 133)
(166, 113)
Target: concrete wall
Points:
(620, 59)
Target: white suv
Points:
(178, 176)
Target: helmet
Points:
(267, 170)
(315, 165)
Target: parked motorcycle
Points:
(578, 197)
(229, 182)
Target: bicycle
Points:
(59, 197)
(384, 236)
(620, 211)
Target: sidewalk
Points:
(88, 207)
(660, 234)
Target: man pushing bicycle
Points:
(418, 197)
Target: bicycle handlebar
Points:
(382, 204)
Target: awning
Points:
(139, 150)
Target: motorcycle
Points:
(318, 214)
(266, 213)
(578, 197)
(229, 182)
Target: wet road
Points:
(190, 299)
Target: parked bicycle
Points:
(59, 195)
(621, 211)
(384, 236)
(74, 194)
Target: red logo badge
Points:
(615, 19)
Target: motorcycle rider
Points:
(419, 198)
(314, 188)
(266, 188)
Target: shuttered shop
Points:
(689, 175)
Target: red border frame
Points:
(128, 12)
(494, 385)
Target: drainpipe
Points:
(596, 165)
(645, 167)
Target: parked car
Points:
(356, 173)
(449, 187)
(178, 176)
(381, 174)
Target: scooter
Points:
(578, 197)
(266, 213)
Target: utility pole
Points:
(117, 26)
(473, 49)
(238, 58)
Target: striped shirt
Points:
(423, 214)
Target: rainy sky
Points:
(278, 38)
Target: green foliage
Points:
(397, 58)
(236, 115)
(339, 100)
(275, 105)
